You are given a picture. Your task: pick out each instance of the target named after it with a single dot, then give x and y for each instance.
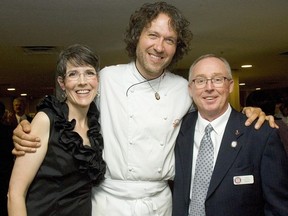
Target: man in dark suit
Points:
(18, 114)
(249, 167)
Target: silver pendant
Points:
(157, 96)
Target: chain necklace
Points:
(156, 94)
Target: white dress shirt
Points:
(218, 125)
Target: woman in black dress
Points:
(57, 180)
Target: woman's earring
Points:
(63, 95)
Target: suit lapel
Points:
(186, 152)
(228, 151)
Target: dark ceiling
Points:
(243, 31)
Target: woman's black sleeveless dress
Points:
(62, 185)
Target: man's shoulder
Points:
(177, 84)
(176, 77)
(113, 68)
(264, 129)
(189, 118)
(113, 72)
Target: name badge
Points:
(242, 180)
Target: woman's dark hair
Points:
(145, 15)
(77, 55)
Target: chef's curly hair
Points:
(145, 15)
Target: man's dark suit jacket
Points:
(13, 120)
(258, 152)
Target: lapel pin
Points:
(237, 133)
(233, 144)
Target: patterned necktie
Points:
(203, 172)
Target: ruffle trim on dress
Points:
(89, 158)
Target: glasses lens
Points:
(74, 75)
(201, 82)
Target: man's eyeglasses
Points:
(74, 75)
(200, 82)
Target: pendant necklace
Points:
(157, 95)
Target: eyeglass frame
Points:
(78, 74)
(212, 80)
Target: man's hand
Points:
(253, 113)
(23, 141)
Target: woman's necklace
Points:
(156, 94)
